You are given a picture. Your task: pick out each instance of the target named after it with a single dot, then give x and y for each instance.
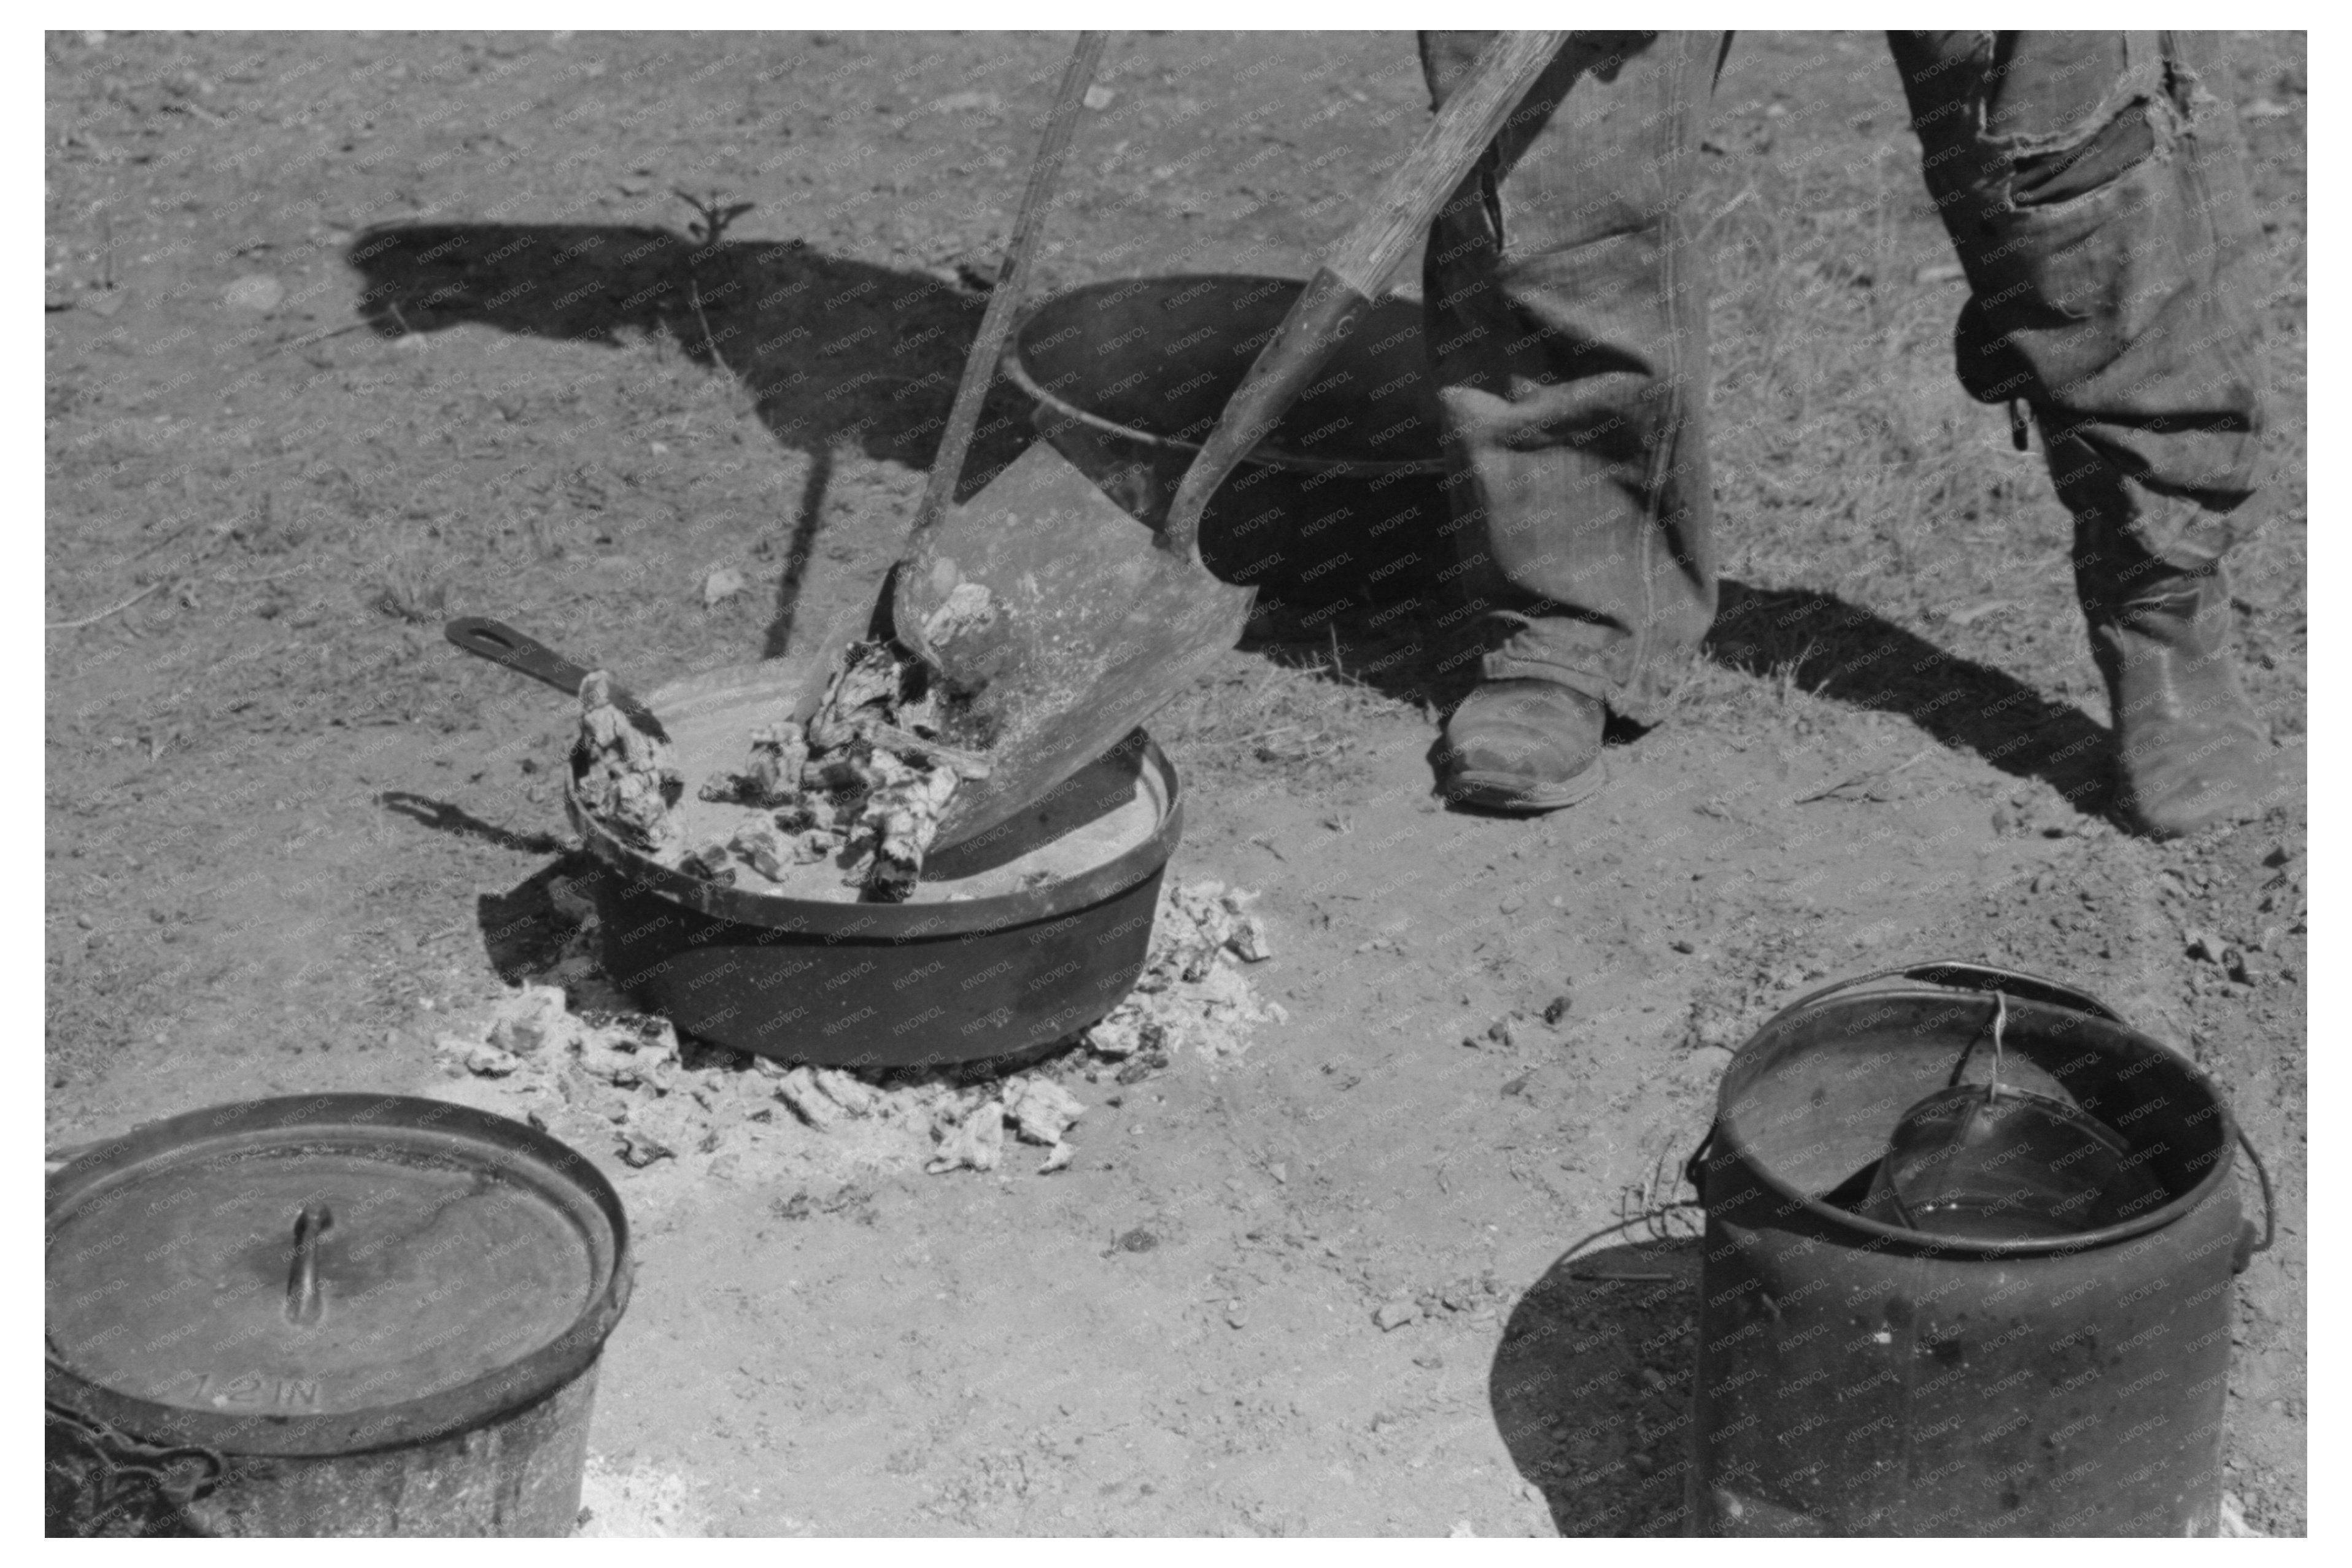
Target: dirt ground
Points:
(291, 835)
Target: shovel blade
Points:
(1094, 626)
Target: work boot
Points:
(1521, 745)
(2190, 752)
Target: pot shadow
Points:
(1590, 1387)
(1419, 653)
(524, 935)
(835, 351)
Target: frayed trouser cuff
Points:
(1627, 700)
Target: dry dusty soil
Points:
(291, 834)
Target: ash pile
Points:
(573, 1058)
(1194, 995)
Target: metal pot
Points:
(1345, 501)
(335, 1314)
(883, 985)
(1860, 1377)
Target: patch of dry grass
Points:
(413, 582)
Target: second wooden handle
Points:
(1353, 273)
(1011, 280)
(1400, 215)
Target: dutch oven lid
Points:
(330, 1255)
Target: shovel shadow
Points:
(836, 352)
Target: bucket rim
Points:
(1266, 455)
(410, 1423)
(2054, 998)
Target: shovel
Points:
(1098, 608)
(971, 392)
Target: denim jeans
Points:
(2093, 189)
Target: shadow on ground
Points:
(1844, 653)
(523, 933)
(1590, 1387)
(1420, 653)
(835, 352)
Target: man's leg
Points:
(1566, 300)
(2096, 192)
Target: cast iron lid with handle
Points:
(326, 1274)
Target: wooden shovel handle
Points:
(1504, 73)
(1344, 286)
(1012, 278)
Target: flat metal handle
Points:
(519, 652)
(526, 655)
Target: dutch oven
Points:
(1344, 502)
(334, 1314)
(976, 968)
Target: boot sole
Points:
(2284, 775)
(1515, 796)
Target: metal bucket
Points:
(329, 1315)
(1857, 1377)
(1345, 501)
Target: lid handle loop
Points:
(303, 1300)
